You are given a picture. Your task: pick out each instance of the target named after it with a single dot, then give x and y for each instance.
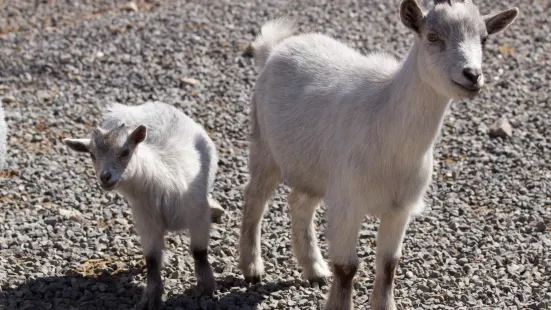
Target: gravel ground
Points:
(64, 244)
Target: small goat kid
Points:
(357, 131)
(164, 164)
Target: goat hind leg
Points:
(264, 177)
(199, 229)
(303, 235)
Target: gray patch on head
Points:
(105, 141)
(455, 20)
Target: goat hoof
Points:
(149, 304)
(252, 272)
(321, 281)
(254, 279)
(151, 299)
(317, 273)
(206, 288)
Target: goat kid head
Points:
(111, 151)
(451, 38)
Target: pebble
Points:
(501, 128)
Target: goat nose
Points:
(105, 177)
(472, 74)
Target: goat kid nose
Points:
(105, 177)
(473, 75)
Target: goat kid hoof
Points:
(206, 288)
(253, 279)
(321, 281)
(149, 303)
(151, 299)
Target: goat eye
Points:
(125, 153)
(93, 157)
(433, 37)
(483, 41)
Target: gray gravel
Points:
(483, 243)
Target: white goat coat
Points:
(169, 176)
(358, 130)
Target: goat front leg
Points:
(389, 248)
(199, 229)
(343, 227)
(153, 245)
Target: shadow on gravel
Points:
(78, 292)
(230, 292)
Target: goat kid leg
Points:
(153, 245)
(199, 230)
(303, 235)
(389, 248)
(343, 227)
(265, 176)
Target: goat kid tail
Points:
(270, 35)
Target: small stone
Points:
(51, 221)
(501, 128)
(176, 275)
(513, 268)
(130, 7)
(71, 214)
(99, 54)
(540, 226)
(190, 81)
(65, 58)
(43, 95)
(8, 99)
(216, 210)
(424, 288)
(122, 221)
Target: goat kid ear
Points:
(78, 145)
(497, 22)
(138, 135)
(411, 15)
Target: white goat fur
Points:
(357, 131)
(166, 182)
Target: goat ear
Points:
(497, 22)
(411, 15)
(78, 145)
(138, 135)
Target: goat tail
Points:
(270, 35)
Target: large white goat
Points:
(357, 131)
(164, 164)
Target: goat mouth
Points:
(472, 90)
(109, 187)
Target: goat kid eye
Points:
(125, 153)
(433, 38)
(483, 41)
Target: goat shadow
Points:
(120, 291)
